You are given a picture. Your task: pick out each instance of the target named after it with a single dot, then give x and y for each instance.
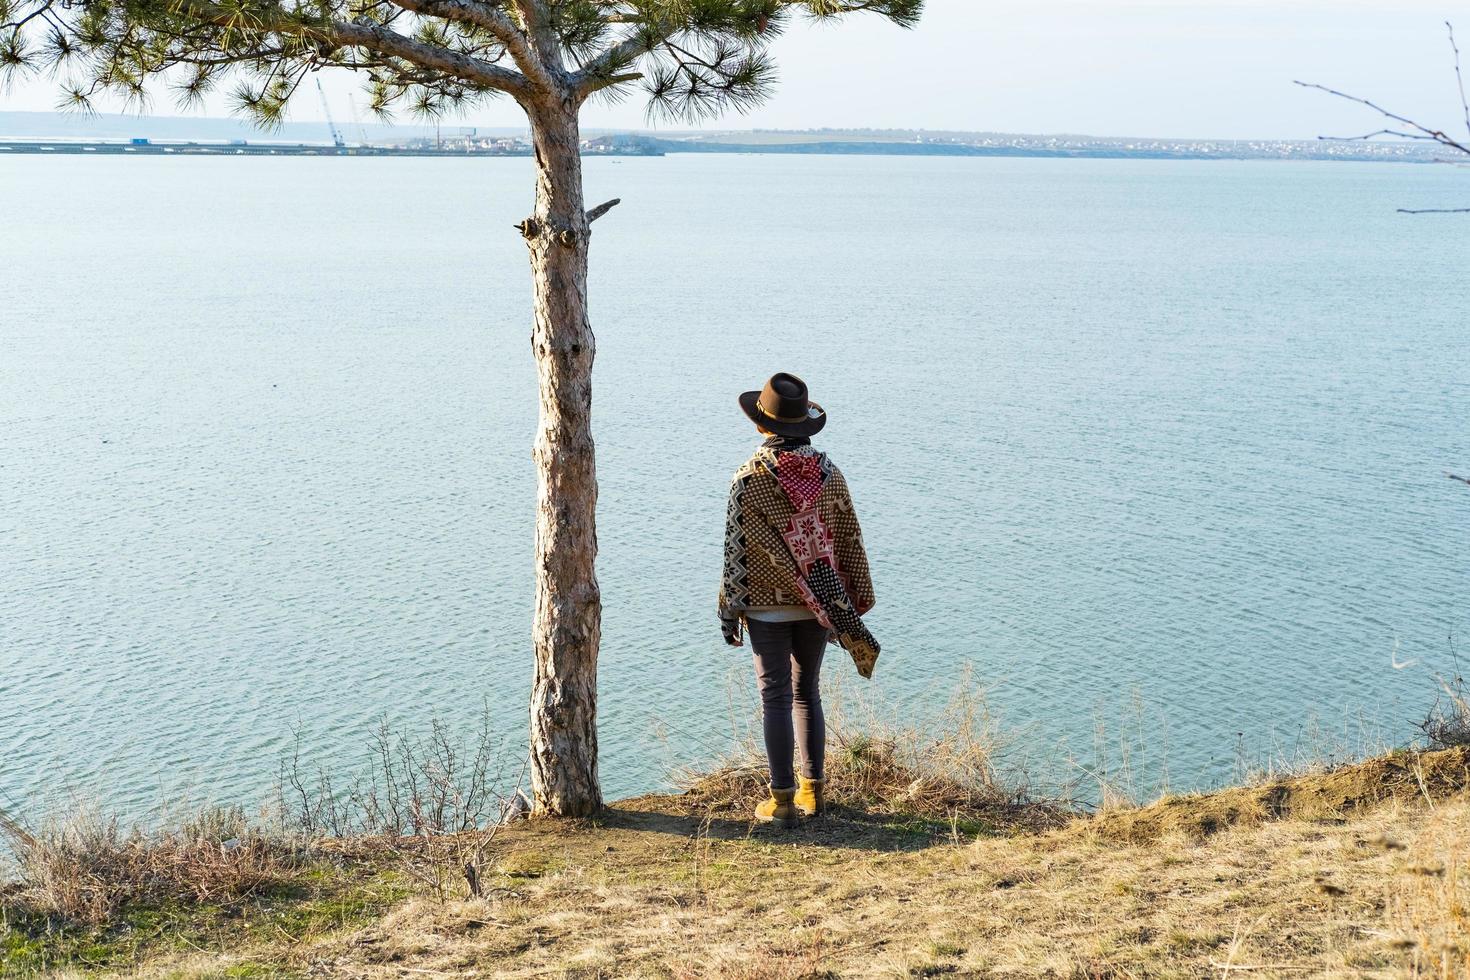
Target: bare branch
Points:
(602, 209)
(1459, 78)
(1416, 131)
(1378, 132)
(1437, 135)
(1460, 478)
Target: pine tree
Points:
(690, 58)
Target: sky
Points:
(1098, 67)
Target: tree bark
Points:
(568, 624)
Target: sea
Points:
(1150, 458)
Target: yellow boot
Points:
(778, 810)
(808, 797)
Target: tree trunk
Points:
(568, 623)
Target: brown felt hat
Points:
(783, 407)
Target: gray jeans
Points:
(788, 662)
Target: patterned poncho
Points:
(792, 538)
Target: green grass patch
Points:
(322, 899)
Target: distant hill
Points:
(962, 143)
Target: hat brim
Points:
(809, 426)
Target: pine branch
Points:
(693, 58)
(494, 19)
(122, 45)
(536, 21)
(749, 23)
(384, 41)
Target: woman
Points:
(795, 576)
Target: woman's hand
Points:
(731, 629)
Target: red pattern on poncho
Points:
(824, 588)
(800, 477)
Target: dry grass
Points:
(1429, 907)
(1400, 776)
(931, 863)
(1371, 891)
(947, 778)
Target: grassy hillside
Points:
(1364, 871)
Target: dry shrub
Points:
(945, 774)
(1448, 723)
(431, 803)
(432, 784)
(86, 867)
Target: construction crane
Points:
(357, 121)
(336, 136)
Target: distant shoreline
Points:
(1099, 152)
(42, 133)
(642, 146)
(110, 147)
